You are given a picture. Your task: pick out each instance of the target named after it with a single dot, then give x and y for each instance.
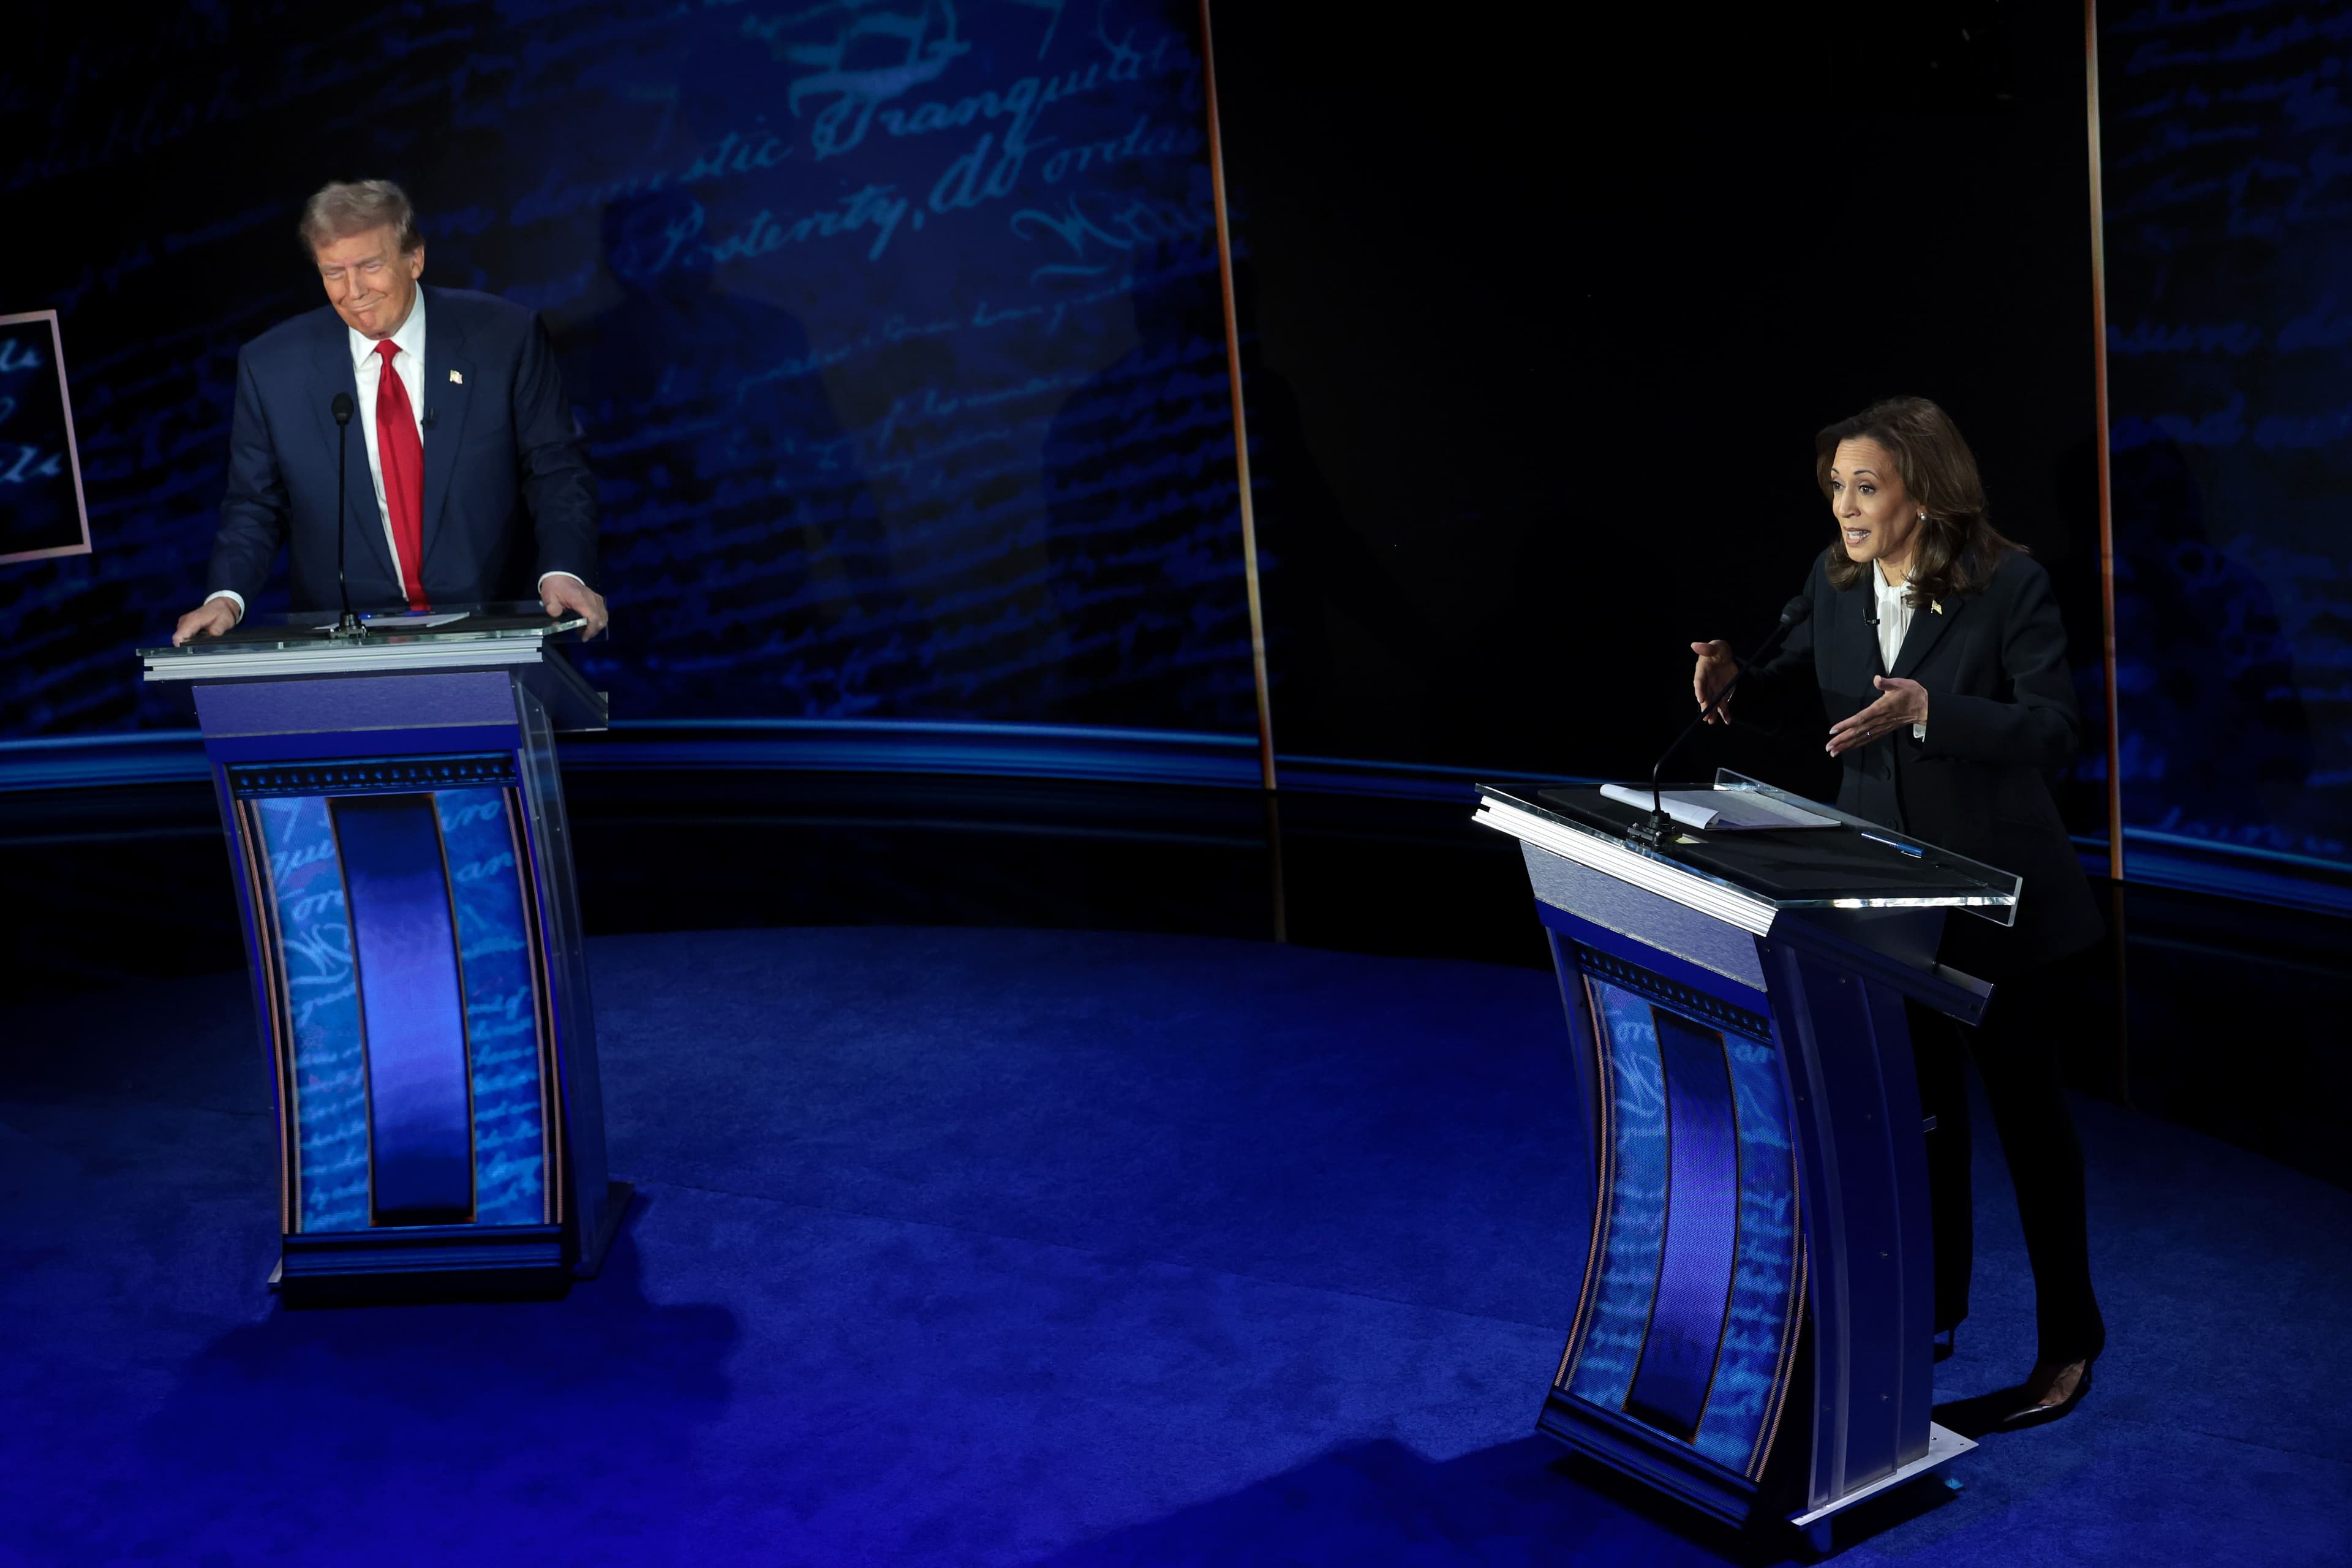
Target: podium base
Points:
(617, 1197)
(1814, 1530)
(443, 1262)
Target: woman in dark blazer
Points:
(1936, 646)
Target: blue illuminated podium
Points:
(1754, 1328)
(396, 832)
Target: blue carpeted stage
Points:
(1041, 1247)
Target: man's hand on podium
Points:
(1716, 666)
(560, 596)
(209, 619)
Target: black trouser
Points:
(2018, 1059)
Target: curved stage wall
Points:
(894, 332)
(2230, 441)
(896, 337)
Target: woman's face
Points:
(1875, 517)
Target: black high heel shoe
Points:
(2037, 1388)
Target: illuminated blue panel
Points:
(403, 938)
(1686, 1320)
(1633, 1206)
(1762, 1321)
(501, 1005)
(40, 477)
(329, 1082)
(1697, 1110)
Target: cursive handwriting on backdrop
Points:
(892, 329)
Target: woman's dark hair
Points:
(1959, 548)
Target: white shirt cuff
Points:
(575, 576)
(232, 596)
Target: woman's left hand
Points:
(1901, 703)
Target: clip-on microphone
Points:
(1653, 828)
(348, 629)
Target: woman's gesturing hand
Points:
(1716, 666)
(1900, 702)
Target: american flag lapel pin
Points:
(1935, 604)
(456, 379)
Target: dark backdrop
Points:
(893, 329)
(1540, 316)
(1545, 311)
(2229, 312)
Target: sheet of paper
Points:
(1681, 805)
(413, 623)
(1719, 811)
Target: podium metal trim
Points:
(1745, 910)
(361, 658)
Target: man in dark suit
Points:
(468, 486)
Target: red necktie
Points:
(402, 453)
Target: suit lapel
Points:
(362, 523)
(1856, 636)
(1865, 613)
(1929, 625)
(450, 382)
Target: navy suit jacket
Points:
(2002, 719)
(507, 494)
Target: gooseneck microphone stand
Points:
(1653, 828)
(348, 629)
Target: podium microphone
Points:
(349, 626)
(1652, 829)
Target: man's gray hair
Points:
(345, 207)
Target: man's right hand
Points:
(209, 619)
(1716, 666)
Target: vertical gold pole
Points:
(1241, 424)
(2106, 489)
(2107, 560)
(1242, 471)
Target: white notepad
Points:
(1720, 810)
(406, 622)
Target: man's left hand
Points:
(1902, 703)
(563, 596)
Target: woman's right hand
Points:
(1716, 666)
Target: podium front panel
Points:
(1679, 1363)
(408, 994)
(396, 824)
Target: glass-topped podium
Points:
(396, 832)
(1754, 1329)
(501, 632)
(1866, 866)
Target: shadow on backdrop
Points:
(779, 518)
(2216, 739)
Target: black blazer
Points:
(507, 494)
(2001, 716)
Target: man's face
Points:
(369, 282)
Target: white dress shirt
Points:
(367, 370)
(1893, 624)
